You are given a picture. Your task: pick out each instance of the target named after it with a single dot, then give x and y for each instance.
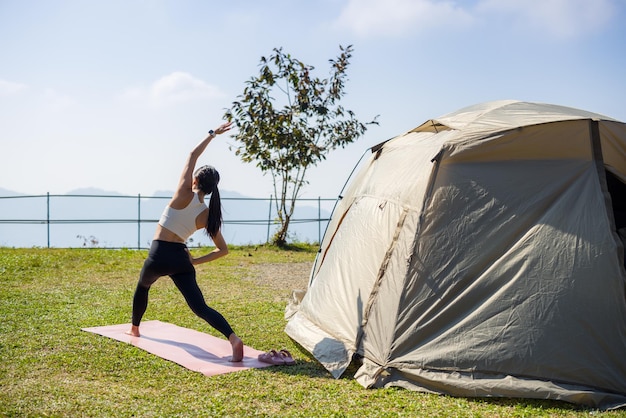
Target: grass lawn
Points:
(52, 368)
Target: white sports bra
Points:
(182, 222)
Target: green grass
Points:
(52, 368)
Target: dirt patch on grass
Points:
(284, 276)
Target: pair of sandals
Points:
(279, 358)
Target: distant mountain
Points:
(9, 193)
(93, 191)
(95, 217)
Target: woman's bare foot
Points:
(134, 331)
(237, 345)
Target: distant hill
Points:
(83, 217)
(9, 193)
(92, 191)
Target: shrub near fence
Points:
(122, 221)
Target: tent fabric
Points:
(477, 255)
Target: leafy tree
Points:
(288, 135)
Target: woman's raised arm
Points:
(184, 189)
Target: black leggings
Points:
(172, 259)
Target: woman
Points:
(169, 256)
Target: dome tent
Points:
(479, 255)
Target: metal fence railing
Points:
(123, 221)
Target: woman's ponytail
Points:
(214, 223)
(208, 178)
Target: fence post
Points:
(48, 216)
(269, 219)
(319, 220)
(139, 221)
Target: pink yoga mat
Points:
(192, 349)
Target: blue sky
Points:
(114, 94)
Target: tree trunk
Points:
(280, 237)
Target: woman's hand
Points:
(221, 249)
(225, 127)
(191, 259)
